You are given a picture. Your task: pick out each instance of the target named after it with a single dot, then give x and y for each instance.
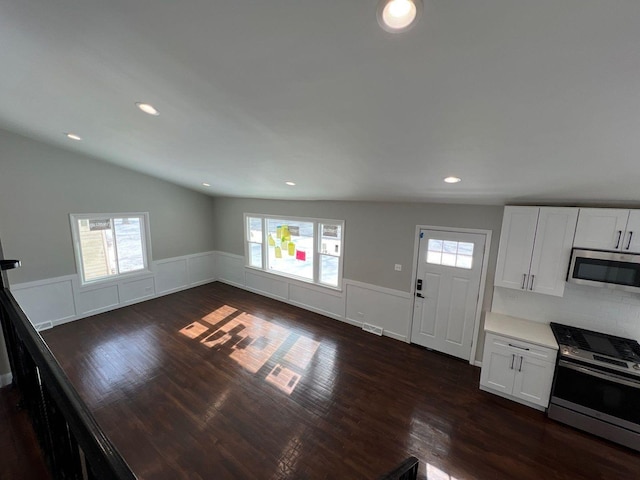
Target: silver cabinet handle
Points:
(520, 367)
(513, 359)
(619, 237)
(629, 242)
(524, 280)
(531, 282)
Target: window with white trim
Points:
(307, 249)
(110, 245)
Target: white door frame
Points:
(483, 278)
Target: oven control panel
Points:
(601, 360)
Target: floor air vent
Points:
(367, 327)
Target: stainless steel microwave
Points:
(599, 268)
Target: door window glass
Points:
(450, 253)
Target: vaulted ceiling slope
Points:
(525, 100)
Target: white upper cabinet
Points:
(516, 246)
(608, 229)
(535, 248)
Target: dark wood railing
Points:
(73, 444)
(407, 470)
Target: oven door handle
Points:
(605, 376)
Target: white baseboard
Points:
(6, 379)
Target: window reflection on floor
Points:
(252, 342)
(120, 362)
(434, 473)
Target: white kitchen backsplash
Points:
(600, 309)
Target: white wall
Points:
(600, 309)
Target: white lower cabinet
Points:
(517, 370)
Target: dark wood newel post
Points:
(4, 283)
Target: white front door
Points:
(447, 287)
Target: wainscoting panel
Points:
(97, 299)
(230, 269)
(60, 300)
(46, 300)
(326, 303)
(201, 268)
(357, 303)
(136, 290)
(171, 275)
(389, 309)
(267, 285)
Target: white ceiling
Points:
(525, 100)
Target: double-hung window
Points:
(307, 249)
(110, 245)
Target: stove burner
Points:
(596, 342)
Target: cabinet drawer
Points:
(520, 347)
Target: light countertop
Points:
(520, 329)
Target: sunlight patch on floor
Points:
(253, 341)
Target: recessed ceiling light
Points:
(452, 179)
(291, 184)
(398, 15)
(205, 184)
(146, 108)
(73, 136)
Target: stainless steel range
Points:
(597, 384)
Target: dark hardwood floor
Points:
(20, 456)
(216, 383)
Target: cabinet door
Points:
(631, 240)
(533, 380)
(497, 366)
(516, 246)
(552, 250)
(601, 228)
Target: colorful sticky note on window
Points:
(301, 255)
(271, 241)
(278, 252)
(292, 248)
